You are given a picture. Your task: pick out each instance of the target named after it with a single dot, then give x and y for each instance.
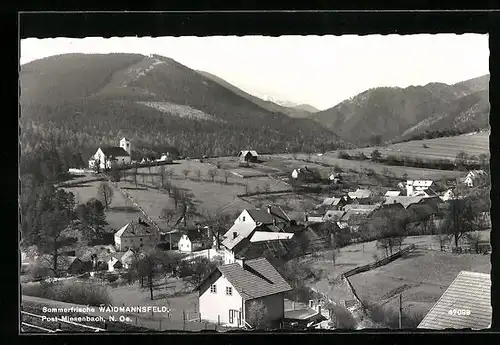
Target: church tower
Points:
(125, 144)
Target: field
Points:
(332, 160)
(360, 254)
(421, 276)
(120, 211)
(438, 148)
(207, 195)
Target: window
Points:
(231, 315)
(213, 288)
(243, 218)
(229, 291)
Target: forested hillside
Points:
(391, 113)
(78, 102)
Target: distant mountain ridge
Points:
(393, 113)
(87, 100)
(295, 111)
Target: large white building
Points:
(419, 188)
(136, 234)
(105, 156)
(227, 293)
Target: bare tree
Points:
(105, 194)
(226, 175)
(198, 174)
(185, 172)
(459, 219)
(167, 214)
(162, 176)
(212, 173)
(176, 196)
(246, 188)
(390, 230)
(134, 173)
(152, 265)
(218, 224)
(266, 188)
(258, 316)
(169, 173)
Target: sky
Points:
(318, 70)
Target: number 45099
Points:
(459, 312)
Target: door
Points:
(234, 317)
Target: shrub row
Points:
(88, 293)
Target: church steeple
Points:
(126, 145)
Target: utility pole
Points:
(400, 312)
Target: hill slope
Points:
(300, 111)
(394, 113)
(84, 101)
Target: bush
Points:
(389, 317)
(38, 271)
(344, 155)
(71, 292)
(343, 317)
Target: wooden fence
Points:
(379, 263)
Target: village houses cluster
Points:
(245, 275)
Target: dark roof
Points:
(135, 228)
(263, 216)
(469, 291)
(114, 151)
(257, 279)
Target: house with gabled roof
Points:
(248, 156)
(360, 195)
(226, 294)
(120, 260)
(473, 176)
(135, 234)
(107, 155)
(305, 174)
(466, 304)
(420, 187)
(335, 203)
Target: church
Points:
(105, 156)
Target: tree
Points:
(390, 229)
(162, 176)
(461, 160)
(115, 173)
(134, 174)
(198, 174)
(226, 175)
(176, 196)
(218, 224)
(169, 173)
(167, 214)
(246, 188)
(153, 265)
(484, 161)
(105, 194)
(212, 173)
(92, 219)
(198, 270)
(405, 176)
(376, 155)
(57, 224)
(459, 219)
(257, 315)
(267, 188)
(185, 172)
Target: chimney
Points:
(319, 309)
(269, 209)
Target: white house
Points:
(227, 293)
(392, 193)
(190, 242)
(135, 234)
(360, 194)
(472, 176)
(105, 156)
(448, 195)
(419, 187)
(120, 260)
(305, 174)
